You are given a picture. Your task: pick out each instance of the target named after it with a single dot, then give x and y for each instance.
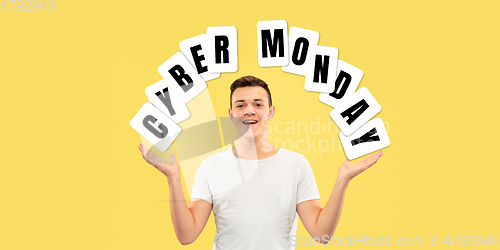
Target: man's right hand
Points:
(168, 168)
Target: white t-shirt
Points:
(254, 201)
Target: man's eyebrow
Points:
(257, 100)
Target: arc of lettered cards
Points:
(204, 57)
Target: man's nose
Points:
(249, 110)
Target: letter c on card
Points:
(159, 132)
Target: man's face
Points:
(251, 106)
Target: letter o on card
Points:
(300, 43)
(153, 125)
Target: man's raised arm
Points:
(322, 222)
(188, 221)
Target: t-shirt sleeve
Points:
(307, 188)
(201, 188)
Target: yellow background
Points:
(72, 79)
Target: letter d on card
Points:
(369, 138)
(355, 111)
(346, 83)
(153, 125)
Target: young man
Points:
(255, 189)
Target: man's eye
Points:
(239, 106)
(258, 105)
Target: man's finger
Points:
(369, 161)
(373, 159)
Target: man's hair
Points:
(249, 81)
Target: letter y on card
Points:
(369, 138)
(161, 96)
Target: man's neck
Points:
(254, 148)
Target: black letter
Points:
(221, 45)
(179, 75)
(266, 40)
(165, 98)
(163, 129)
(340, 92)
(368, 137)
(321, 67)
(296, 48)
(358, 108)
(198, 58)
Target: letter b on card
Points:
(182, 77)
(194, 49)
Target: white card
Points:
(153, 125)
(194, 49)
(182, 77)
(355, 111)
(167, 102)
(222, 49)
(346, 83)
(300, 43)
(321, 69)
(369, 138)
(272, 43)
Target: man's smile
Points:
(249, 121)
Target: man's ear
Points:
(230, 113)
(272, 111)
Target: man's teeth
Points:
(249, 122)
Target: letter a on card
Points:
(321, 69)
(355, 111)
(300, 42)
(272, 43)
(181, 77)
(167, 102)
(194, 49)
(222, 49)
(348, 78)
(153, 125)
(369, 138)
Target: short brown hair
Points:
(249, 81)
